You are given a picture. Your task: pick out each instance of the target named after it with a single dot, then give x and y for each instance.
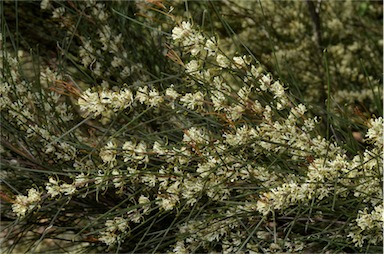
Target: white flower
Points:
(52, 187)
(67, 189)
(109, 152)
(33, 195)
(210, 46)
(65, 151)
(371, 220)
(22, 203)
(159, 149)
(168, 202)
(121, 223)
(191, 101)
(135, 152)
(192, 190)
(141, 150)
(81, 180)
(179, 33)
(195, 135)
(89, 102)
(134, 216)
(242, 136)
(109, 238)
(105, 96)
(142, 94)
(299, 110)
(58, 12)
(104, 102)
(234, 113)
(117, 180)
(255, 71)
(129, 146)
(105, 34)
(244, 92)
(204, 169)
(174, 188)
(50, 148)
(265, 82)
(218, 99)
(366, 224)
(375, 132)
(179, 248)
(149, 180)
(143, 200)
(19, 208)
(86, 52)
(154, 99)
(171, 93)
(195, 44)
(239, 62)
(192, 66)
(121, 100)
(277, 89)
(98, 11)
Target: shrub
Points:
(148, 133)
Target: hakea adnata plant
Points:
(255, 123)
(219, 166)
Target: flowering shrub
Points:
(295, 35)
(165, 139)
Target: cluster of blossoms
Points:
(369, 226)
(54, 189)
(119, 227)
(24, 204)
(104, 103)
(115, 230)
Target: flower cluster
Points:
(24, 204)
(105, 103)
(369, 226)
(55, 189)
(112, 233)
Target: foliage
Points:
(196, 127)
